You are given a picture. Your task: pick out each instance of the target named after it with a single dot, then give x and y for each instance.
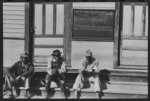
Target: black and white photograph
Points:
(75, 50)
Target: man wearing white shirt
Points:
(88, 71)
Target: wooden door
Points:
(52, 31)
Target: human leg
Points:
(47, 84)
(27, 83)
(60, 80)
(78, 84)
(97, 84)
(48, 80)
(8, 85)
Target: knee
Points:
(79, 77)
(27, 80)
(7, 77)
(80, 74)
(48, 77)
(96, 78)
(62, 81)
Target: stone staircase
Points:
(115, 84)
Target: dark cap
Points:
(56, 53)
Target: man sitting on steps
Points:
(19, 73)
(88, 71)
(55, 71)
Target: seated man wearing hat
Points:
(18, 74)
(55, 71)
(88, 71)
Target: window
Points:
(93, 24)
(49, 19)
(13, 32)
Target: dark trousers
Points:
(59, 78)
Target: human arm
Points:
(63, 67)
(12, 69)
(82, 65)
(93, 67)
(29, 72)
(49, 66)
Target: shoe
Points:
(97, 95)
(63, 96)
(76, 94)
(101, 93)
(27, 95)
(47, 96)
(9, 95)
(17, 93)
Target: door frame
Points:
(29, 40)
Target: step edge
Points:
(105, 91)
(115, 82)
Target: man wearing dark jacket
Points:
(18, 74)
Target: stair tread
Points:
(111, 82)
(43, 68)
(109, 90)
(87, 94)
(113, 86)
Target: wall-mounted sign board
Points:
(93, 24)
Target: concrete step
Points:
(115, 85)
(113, 89)
(105, 75)
(39, 93)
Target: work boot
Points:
(62, 95)
(27, 94)
(17, 93)
(76, 93)
(47, 95)
(97, 95)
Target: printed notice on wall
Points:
(93, 24)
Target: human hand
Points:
(23, 78)
(89, 69)
(62, 70)
(18, 77)
(51, 72)
(12, 79)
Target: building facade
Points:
(116, 32)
